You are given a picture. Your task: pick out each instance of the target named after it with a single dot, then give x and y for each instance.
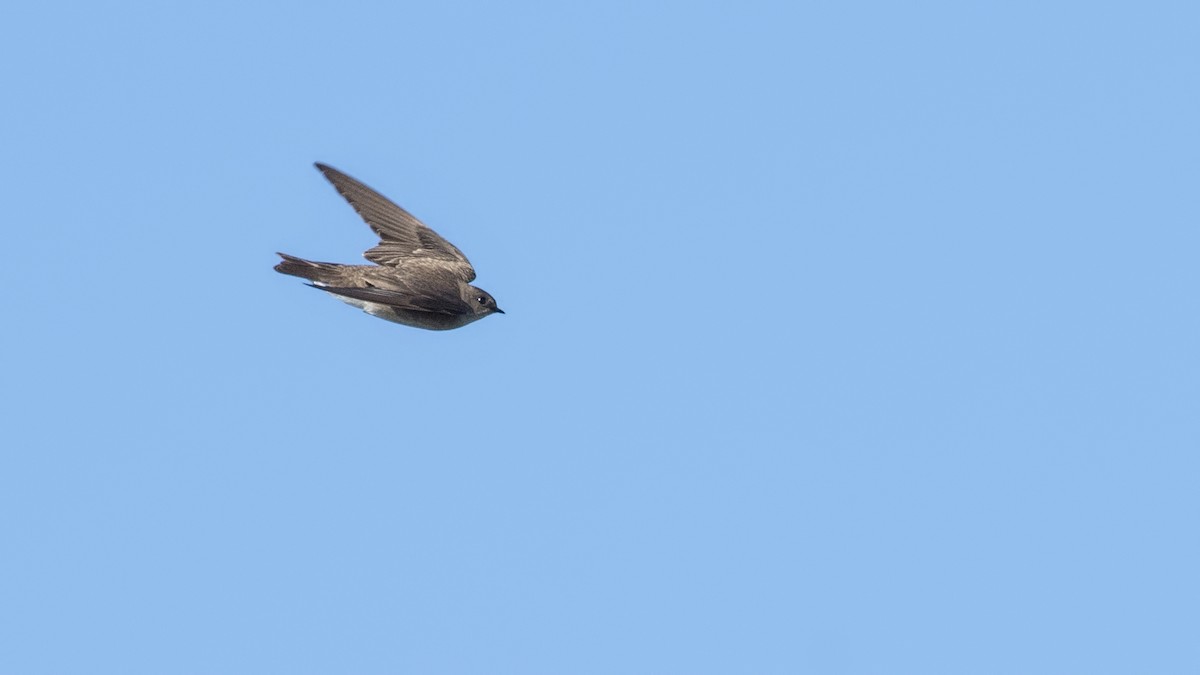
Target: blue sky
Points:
(841, 338)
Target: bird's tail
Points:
(306, 269)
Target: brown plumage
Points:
(418, 279)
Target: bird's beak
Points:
(499, 311)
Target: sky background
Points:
(842, 337)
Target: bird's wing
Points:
(402, 236)
(441, 303)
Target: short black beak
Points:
(499, 311)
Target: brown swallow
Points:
(418, 279)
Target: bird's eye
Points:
(481, 300)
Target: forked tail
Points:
(306, 269)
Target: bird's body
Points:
(419, 278)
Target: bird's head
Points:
(483, 302)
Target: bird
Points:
(418, 278)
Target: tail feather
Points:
(305, 269)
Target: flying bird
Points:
(419, 279)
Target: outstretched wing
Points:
(402, 237)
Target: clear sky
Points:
(842, 337)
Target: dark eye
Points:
(481, 300)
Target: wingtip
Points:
(321, 167)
